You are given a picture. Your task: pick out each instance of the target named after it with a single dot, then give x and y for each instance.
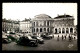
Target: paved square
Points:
(51, 44)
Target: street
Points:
(48, 45)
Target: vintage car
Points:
(40, 40)
(27, 40)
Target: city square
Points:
(42, 31)
(49, 45)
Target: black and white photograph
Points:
(39, 27)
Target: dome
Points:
(42, 17)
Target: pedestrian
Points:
(58, 35)
(65, 37)
(74, 38)
(69, 38)
(62, 37)
(58, 38)
(53, 36)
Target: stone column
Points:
(73, 30)
(46, 29)
(49, 29)
(42, 29)
(61, 30)
(35, 23)
(49, 23)
(46, 23)
(54, 30)
(69, 30)
(57, 30)
(65, 30)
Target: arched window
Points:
(56, 30)
(34, 29)
(44, 29)
(40, 29)
(63, 30)
(37, 30)
(34, 23)
(59, 30)
(71, 30)
(67, 30)
(47, 23)
(48, 29)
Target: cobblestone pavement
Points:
(51, 44)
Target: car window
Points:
(11, 33)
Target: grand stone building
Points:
(25, 26)
(62, 24)
(10, 25)
(42, 23)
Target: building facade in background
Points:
(62, 24)
(26, 26)
(10, 25)
(42, 24)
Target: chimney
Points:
(64, 15)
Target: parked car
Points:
(12, 38)
(5, 39)
(27, 40)
(51, 36)
(40, 40)
(46, 36)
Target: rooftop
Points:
(10, 21)
(26, 20)
(42, 17)
(62, 16)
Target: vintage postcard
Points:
(39, 26)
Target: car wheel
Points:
(32, 44)
(36, 44)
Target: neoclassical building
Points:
(42, 23)
(62, 24)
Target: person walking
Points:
(58, 38)
(74, 38)
(69, 38)
(62, 37)
(65, 37)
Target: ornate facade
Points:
(62, 24)
(42, 24)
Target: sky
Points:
(20, 11)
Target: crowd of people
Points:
(64, 37)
